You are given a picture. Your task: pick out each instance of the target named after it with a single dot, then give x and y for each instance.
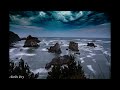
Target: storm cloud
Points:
(40, 18)
(57, 20)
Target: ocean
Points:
(96, 62)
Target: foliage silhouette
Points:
(21, 70)
(69, 71)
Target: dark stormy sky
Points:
(60, 23)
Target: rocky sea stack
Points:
(61, 60)
(31, 42)
(55, 49)
(91, 44)
(73, 46)
(13, 38)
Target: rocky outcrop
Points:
(55, 49)
(62, 60)
(77, 53)
(73, 46)
(13, 38)
(91, 44)
(31, 42)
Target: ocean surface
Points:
(96, 61)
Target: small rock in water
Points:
(31, 42)
(77, 53)
(91, 44)
(55, 49)
(21, 49)
(73, 46)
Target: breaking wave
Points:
(24, 54)
(40, 70)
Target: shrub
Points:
(70, 71)
(22, 69)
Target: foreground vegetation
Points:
(22, 70)
(71, 70)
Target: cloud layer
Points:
(59, 18)
(60, 23)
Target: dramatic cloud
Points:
(59, 20)
(66, 17)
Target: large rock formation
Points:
(31, 41)
(55, 49)
(73, 46)
(13, 38)
(91, 44)
(61, 60)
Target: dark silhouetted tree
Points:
(69, 71)
(22, 69)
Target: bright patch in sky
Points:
(42, 14)
(79, 14)
(64, 12)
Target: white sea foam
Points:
(67, 52)
(25, 48)
(61, 54)
(84, 40)
(90, 68)
(92, 54)
(82, 59)
(89, 56)
(44, 49)
(19, 44)
(45, 42)
(82, 44)
(65, 45)
(40, 70)
(24, 54)
(11, 50)
(98, 47)
(61, 42)
(106, 52)
(52, 42)
(88, 50)
(94, 60)
(20, 57)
